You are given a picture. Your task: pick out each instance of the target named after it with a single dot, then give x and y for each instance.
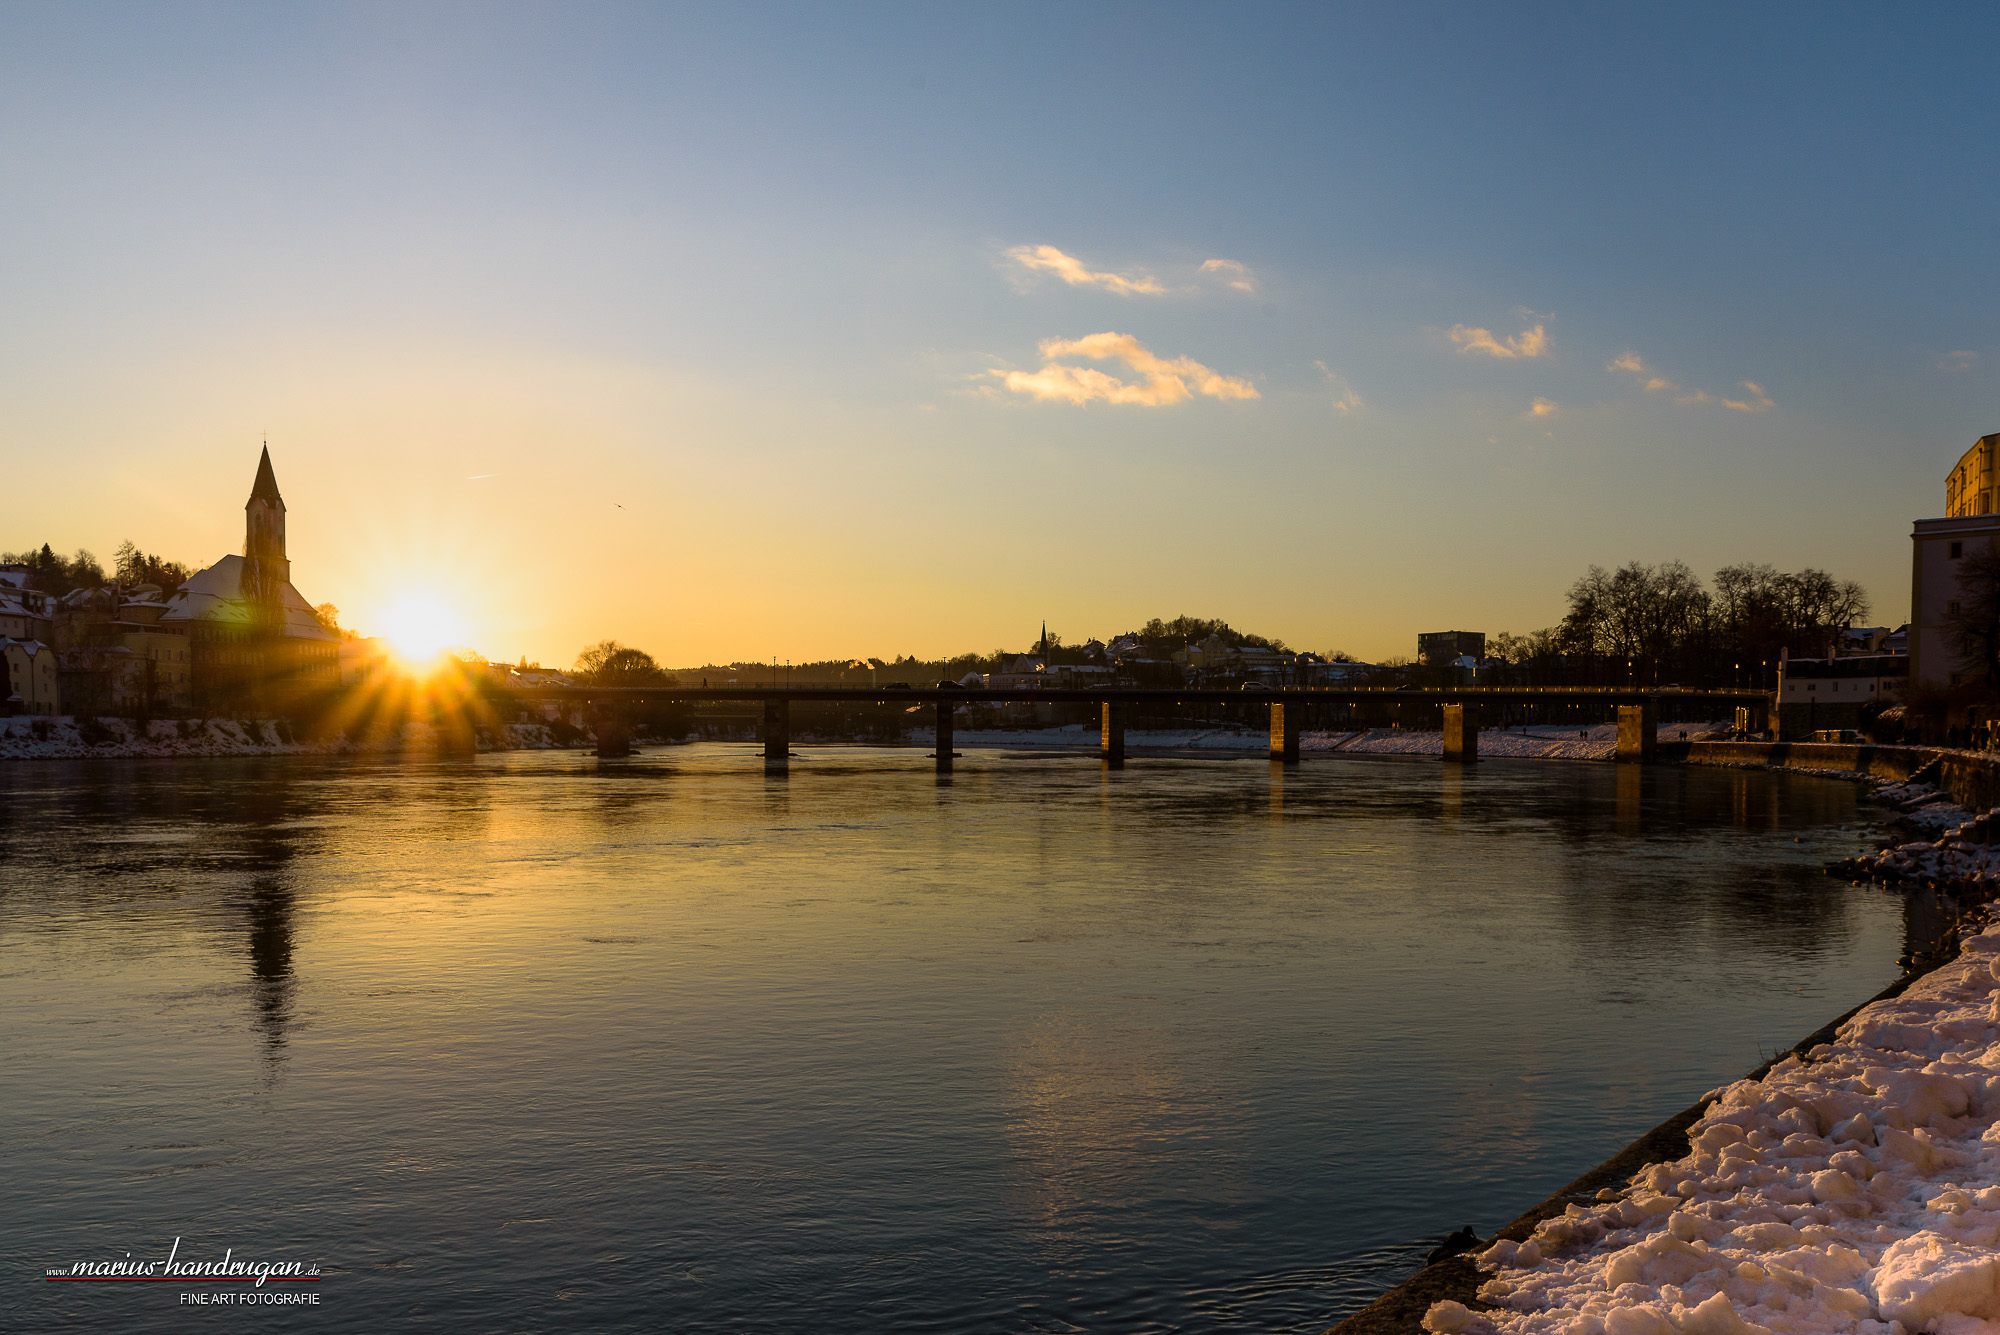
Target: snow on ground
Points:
(1595, 743)
(63, 738)
(1854, 1189)
(1599, 742)
(1076, 736)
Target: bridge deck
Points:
(1134, 695)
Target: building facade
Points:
(1817, 694)
(1439, 648)
(1970, 488)
(25, 613)
(29, 678)
(1938, 548)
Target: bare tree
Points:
(609, 663)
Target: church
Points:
(254, 641)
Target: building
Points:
(29, 680)
(25, 613)
(1441, 648)
(1027, 672)
(363, 660)
(1970, 490)
(121, 618)
(1815, 694)
(96, 680)
(253, 641)
(1937, 547)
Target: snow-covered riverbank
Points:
(1951, 851)
(1599, 742)
(1855, 1188)
(29, 738)
(1567, 743)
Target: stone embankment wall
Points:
(1971, 778)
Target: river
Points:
(532, 1041)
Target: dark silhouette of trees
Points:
(55, 574)
(132, 566)
(1658, 625)
(59, 575)
(609, 663)
(1164, 637)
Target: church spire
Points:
(266, 570)
(265, 488)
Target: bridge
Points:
(1461, 709)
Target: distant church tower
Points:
(266, 570)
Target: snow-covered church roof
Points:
(216, 594)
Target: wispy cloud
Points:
(1531, 342)
(1345, 398)
(1962, 360)
(1235, 274)
(1348, 401)
(1047, 259)
(1754, 400)
(1544, 408)
(1161, 381)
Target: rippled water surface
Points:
(530, 1042)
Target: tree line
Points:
(1657, 625)
(55, 574)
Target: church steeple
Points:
(265, 488)
(266, 570)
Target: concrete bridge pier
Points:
(1111, 733)
(776, 734)
(1461, 733)
(1285, 731)
(614, 738)
(1638, 732)
(944, 708)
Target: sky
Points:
(753, 331)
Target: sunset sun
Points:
(420, 627)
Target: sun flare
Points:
(421, 627)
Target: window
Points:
(1957, 550)
(1951, 608)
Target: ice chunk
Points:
(1637, 1321)
(1660, 1259)
(1856, 1128)
(1920, 1152)
(1716, 1316)
(1925, 1277)
(1770, 1237)
(1449, 1318)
